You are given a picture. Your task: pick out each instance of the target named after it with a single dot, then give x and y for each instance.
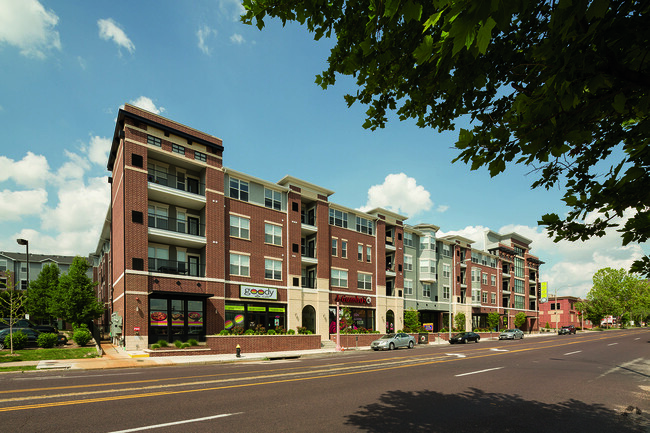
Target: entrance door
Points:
(178, 320)
(193, 262)
(193, 226)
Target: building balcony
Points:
(390, 247)
(174, 267)
(186, 233)
(183, 192)
(308, 229)
(308, 258)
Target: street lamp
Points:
(25, 242)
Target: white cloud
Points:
(442, 208)
(17, 204)
(147, 104)
(74, 168)
(81, 207)
(399, 193)
(233, 9)
(31, 171)
(26, 25)
(237, 39)
(109, 29)
(98, 149)
(203, 34)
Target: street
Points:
(597, 381)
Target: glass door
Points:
(177, 312)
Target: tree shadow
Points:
(477, 411)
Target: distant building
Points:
(561, 311)
(16, 263)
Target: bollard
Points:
(238, 350)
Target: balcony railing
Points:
(165, 266)
(186, 226)
(182, 183)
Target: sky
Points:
(67, 68)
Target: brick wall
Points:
(262, 343)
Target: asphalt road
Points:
(596, 382)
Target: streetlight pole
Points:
(25, 242)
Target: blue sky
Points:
(67, 67)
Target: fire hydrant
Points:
(238, 351)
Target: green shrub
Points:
(192, 342)
(291, 332)
(155, 346)
(162, 343)
(178, 343)
(20, 340)
(185, 345)
(224, 332)
(47, 340)
(249, 332)
(82, 336)
(270, 332)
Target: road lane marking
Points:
(612, 344)
(499, 350)
(572, 353)
(168, 424)
(477, 372)
(460, 355)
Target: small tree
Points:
(520, 319)
(459, 321)
(493, 321)
(12, 304)
(74, 299)
(39, 294)
(412, 321)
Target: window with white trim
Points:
(408, 287)
(446, 270)
(239, 264)
(484, 280)
(335, 243)
(339, 278)
(484, 297)
(360, 253)
(272, 234)
(272, 199)
(238, 189)
(368, 253)
(272, 269)
(338, 218)
(445, 292)
(364, 281)
(408, 239)
(344, 249)
(408, 262)
(426, 290)
(493, 298)
(364, 225)
(493, 280)
(239, 227)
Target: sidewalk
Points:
(117, 357)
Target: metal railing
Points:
(165, 266)
(186, 226)
(182, 183)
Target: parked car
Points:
(464, 337)
(393, 341)
(26, 323)
(32, 336)
(567, 330)
(511, 334)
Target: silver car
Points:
(511, 334)
(393, 341)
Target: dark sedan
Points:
(464, 337)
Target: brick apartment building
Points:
(190, 247)
(561, 311)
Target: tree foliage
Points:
(459, 321)
(557, 85)
(74, 299)
(520, 319)
(493, 320)
(412, 321)
(39, 294)
(616, 292)
(12, 307)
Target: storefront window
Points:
(361, 318)
(176, 319)
(255, 316)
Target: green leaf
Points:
(597, 9)
(432, 21)
(619, 103)
(391, 8)
(412, 11)
(485, 35)
(423, 52)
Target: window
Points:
(446, 250)
(177, 148)
(272, 234)
(446, 271)
(476, 257)
(519, 267)
(344, 249)
(368, 253)
(272, 269)
(339, 278)
(476, 275)
(239, 265)
(408, 239)
(3, 265)
(519, 302)
(272, 199)
(364, 226)
(239, 189)
(426, 290)
(154, 141)
(334, 247)
(157, 173)
(137, 160)
(484, 280)
(199, 156)
(338, 218)
(158, 217)
(519, 251)
(428, 243)
(493, 298)
(360, 253)
(239, 227)
(445, 292)
(519, 286)
(181, 221)
(364, 281)
(493, 280)
(427, 266)
(408, 287)
(408, 262)
(484, 298)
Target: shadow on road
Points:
(478, 411)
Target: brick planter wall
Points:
(261, 343)
(350, 340)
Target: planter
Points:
(219, 344)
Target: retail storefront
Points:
(176, 317)
(251, 311)
(361, 312)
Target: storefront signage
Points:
(258, 292)
(354, 299)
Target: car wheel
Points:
(410, 345)
(522, 337)
(477, 339)
(391, 346)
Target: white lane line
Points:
(460, 355)
(638, 338)
(499, 350)
(572, 353)
(477, 372)
(149, 427)
(612, 344)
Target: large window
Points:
(408, 263)
(446, 250)
(339, 278)
(408, 287)
(428, 243)
(239, 265)
(519, 302)
(364, 226)
(239, 189)
(239, 227)
(445, 292)
(158, 217)
(273, 269)
(427, 266)
(408, 239)
(338, 218)
(446, 271)
(364, 281)
(426, 291)
(519, 286)
(272, 234)
(519, 267)
(272, 199)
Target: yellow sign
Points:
(544, 294)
